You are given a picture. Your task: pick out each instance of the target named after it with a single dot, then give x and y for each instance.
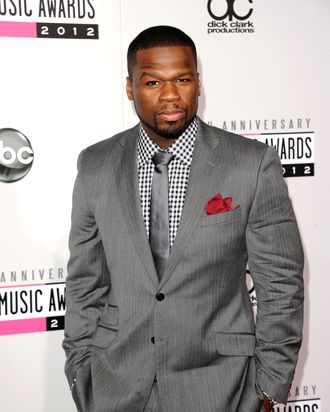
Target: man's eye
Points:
(152, 83)
(183, 80)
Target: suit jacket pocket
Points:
(235, 344)
(220, 217)
(109, 316)
(107, 328)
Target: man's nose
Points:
(169, 92)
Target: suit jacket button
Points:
(160, 296)
(153, 340)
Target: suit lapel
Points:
(205, 165)
(129, 195)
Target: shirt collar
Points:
(182, 147)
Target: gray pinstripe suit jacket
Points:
(208, 353)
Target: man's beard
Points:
(171, 131)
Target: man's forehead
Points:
(165, 56)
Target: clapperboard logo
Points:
(230, 18)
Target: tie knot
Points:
(162, 158)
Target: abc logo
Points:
(16, 155)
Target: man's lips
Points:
(171, 115)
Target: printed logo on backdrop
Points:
(302, 398)
(16, 155)
(61, 19)
(292, 138)
(32, 301)
(230, 17)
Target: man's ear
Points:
(199, 85)
(129, 88)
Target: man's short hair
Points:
(158, 36)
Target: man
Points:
(166, 217)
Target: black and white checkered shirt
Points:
(178, 173)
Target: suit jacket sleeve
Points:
(276, 264)
(88, 280)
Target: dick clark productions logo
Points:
(230, 13)
(16, 155)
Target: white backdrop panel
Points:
(66, 94)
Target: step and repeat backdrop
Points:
(265, 70)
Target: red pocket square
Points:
(218, 204)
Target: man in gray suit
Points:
(166, 216)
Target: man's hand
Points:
(267, 404)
